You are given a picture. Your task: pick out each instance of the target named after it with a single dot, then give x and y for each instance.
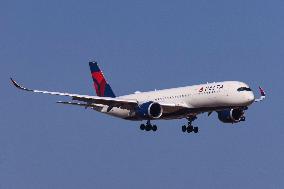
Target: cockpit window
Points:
(244, 89)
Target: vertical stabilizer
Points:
(101, 86)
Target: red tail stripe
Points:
(100, 83)
(98, 76)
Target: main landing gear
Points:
(148, 126)
(189, 128)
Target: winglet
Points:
(19, 86)
(262, 93)
(15, 83)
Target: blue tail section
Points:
(101, 86)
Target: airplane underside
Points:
(189, 114)
(180, 114)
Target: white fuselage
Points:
(199, 98)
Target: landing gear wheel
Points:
(195, 129)
(148, 127)
(189, 129)
(183, 128)
(142, 127)
(154, 128)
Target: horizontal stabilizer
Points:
(96, 107)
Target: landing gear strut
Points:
(189, 128)
(148, 126)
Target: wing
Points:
(109, 101)
(112, 102)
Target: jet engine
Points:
(231, 115)
(150, 110)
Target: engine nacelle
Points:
(231, 115)
(150, 110)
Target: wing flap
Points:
(75, 104)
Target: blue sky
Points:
(140, 45)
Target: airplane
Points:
(230, 99)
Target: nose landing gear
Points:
(148, 126)
(189, 128)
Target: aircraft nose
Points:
(250, 98)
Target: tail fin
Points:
(101, 86)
